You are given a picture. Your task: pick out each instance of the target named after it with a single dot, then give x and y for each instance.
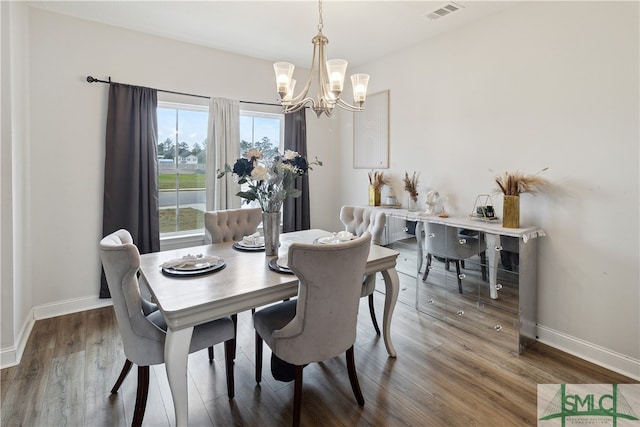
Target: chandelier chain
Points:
(320, 22)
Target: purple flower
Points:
(300, 163)
(242, 167)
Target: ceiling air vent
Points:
(444, 10)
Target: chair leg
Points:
(353, 377)
(125, 371)
(372, 311)
(458, 275)
(258, 358)
(426, 269)
(229, 353)
(141, 396)
(483, 265)
(297, 395)
(210, 354)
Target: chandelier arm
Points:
(299, 105)
(322, 71)
(301, 96)
(348, 106)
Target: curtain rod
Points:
(91, 79)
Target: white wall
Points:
(550, 84)
(71, 114)
(16, 287)
(545, 84)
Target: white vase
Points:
(271, 230)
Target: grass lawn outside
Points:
(167, 181)
(190, 219)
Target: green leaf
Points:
(246, 195)
(294, 193)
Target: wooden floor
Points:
(441, 377)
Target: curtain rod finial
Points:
(90, 79)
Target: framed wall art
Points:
(371, 133)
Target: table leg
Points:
(392, 288)
(493, 250)
(176, 355)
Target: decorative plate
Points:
(278, 267)
(197, 269)
(241, 246)
(330, 240)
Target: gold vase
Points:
(374, 196)
(511, 212)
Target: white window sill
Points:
(183, 240)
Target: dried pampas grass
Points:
(516, 183)
(377, 179)
(411, 184)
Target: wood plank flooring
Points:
(441, 377)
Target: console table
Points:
(501, 308)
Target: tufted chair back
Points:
(231, 225)
(143, 341)
(326, 316)
(357, 220)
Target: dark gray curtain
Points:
(131, 168)
(295, 212)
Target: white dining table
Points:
(246, 282)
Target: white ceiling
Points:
(359, 31)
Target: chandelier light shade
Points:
(330, 81)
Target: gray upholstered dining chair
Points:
(448, 243)
(141, 324)
(321, 323)
(231, 225)
(358, 220)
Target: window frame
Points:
(184, 234)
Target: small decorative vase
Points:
(271, 230)
(413, 204)
(511, 212)
(374, 196)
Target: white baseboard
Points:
(601, 356)
(60, 308)
(11, 356)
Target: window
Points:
(182, 145)
(264, 131)
(182, 154)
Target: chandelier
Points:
(330, 82)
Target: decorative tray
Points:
(197, 269)
(484, 218)
(278, 267)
